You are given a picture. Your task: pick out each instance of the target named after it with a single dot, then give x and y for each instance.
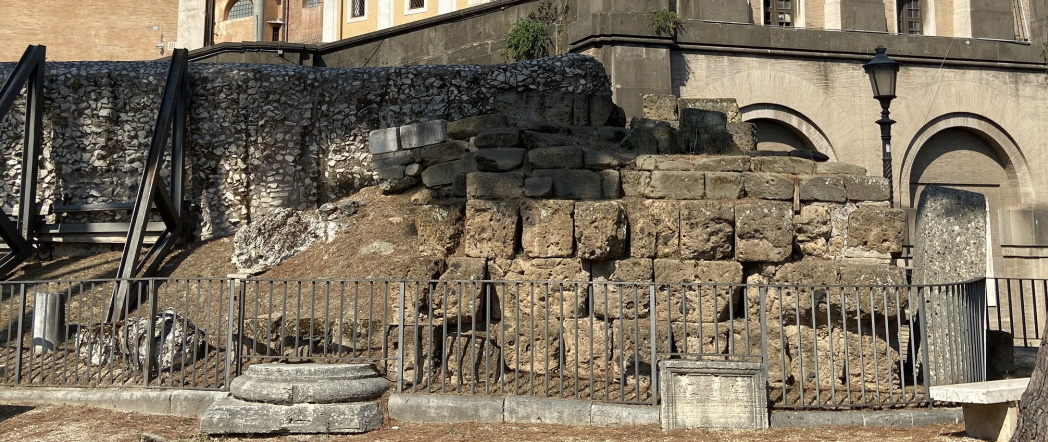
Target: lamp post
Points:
(883, 72)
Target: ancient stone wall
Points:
(260, 136)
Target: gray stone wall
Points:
(259, 136)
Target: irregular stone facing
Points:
(660, 107)
(491, 228)
(233, 416)
(273, 238)
(285, 384)
(743, 136)
(600, 230)
(467, 128)
(548, 228)
(707, 230)
(763, 231)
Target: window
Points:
(276, 32)
(910, 17)
(311, 3)
(416, 4)
(241, 9)
(779, 12)
(356, 9)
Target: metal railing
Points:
(1019, 307)
(823, 346)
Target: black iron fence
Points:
(823, 346)
(1019, 306)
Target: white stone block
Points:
(384, 141)
(423, 134)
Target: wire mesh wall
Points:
(823, 346)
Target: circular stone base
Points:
(308, 384)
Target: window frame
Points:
(350, 18)
(310, 3)
(408, 10)
(233, 6)
(770, 8)
(903, 7)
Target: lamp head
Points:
(883, 72)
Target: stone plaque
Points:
(713, 394)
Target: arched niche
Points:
(780, 128)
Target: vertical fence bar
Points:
(147, 369)
(19, 354)
(400, 338)
(230, 319)
(652, 298)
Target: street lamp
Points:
(883, 71)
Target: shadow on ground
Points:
(9, 411)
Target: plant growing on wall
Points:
(666, 22)
(529, 39)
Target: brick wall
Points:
(87, 29)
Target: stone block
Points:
(439, 229)
(763, 231)
(547, 228)
(604, 112)
(728, 106)
(286, 384)
(445, 408)
(660, 107)
(587, 348)
(678, 185)
(538, 187)
(640, 140)
(713, 394)
(839, 169)
(565, 298)
(497, 137)
(459, 301)
(600, 230)
(563, 157)
(821, 188)
(422, 134)
(734, 163)
(443, 174)
(610, 134)
(390, 172)
(879, 231)
(572, 184)
(398, 158)
(442, 152)
(533, 410)
(665, 226)
(707, 230)
(530, 346)
(467, 128)
(743, 136)
(233, 416)
(866, 188)
(499, 159)
(413, 170)
(621, 301)
(602, 414)
(787, 165)
(723, 185)
(632, 338)
(636, 183)
(600, 160)
(708, 302)
(488, 185)
(767, 186)
(384, 141)
(538, 140)
(610, 184)
(642, 228)
(813, 227)
(704, 132)
(491, 228)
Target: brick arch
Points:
(802, 98)
(792, 118)
(1017, 166)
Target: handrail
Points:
(171, 122)
(29, 72)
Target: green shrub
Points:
(529, 39)
(666, 22)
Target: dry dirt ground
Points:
(74, 424)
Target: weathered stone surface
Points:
(499, 160)
(497, 137)
(841, 359)
(813, 229)
(636, 183)
(610, 184)
(422, 134)
(467, 128)
(530, 347)
(677, 185)
(442, 152)
(660, 107)
(458, 298)
(564, 157)
(384, 140)
(604, 112)
(665, 227)
(821, 188)
(950, 236)
(615, 301)
(587, 348)
(567, 299)
(488, 185)
(572, 184)
(439, 229)
(610, 134)
(538, 187)
(767, 186)
(708, 302)
(548, 228)
(413, 170)
(600, 230)
(786, 165)
(232, 416)
(398, 158)
(539, 140)
(286, 384)
(743, 136)
(723, 185)
(390, 172)
(273, 237)
(491, 228)
(840, 169)
(693, 338)
(728, 106)
(176, 342)
(707, 230)
(733, 163)
(640, 140)
(763, 231)
(875, 232)
(642, 228)
(866, 188)
(704, 132)
(444, 174)
(600, 160)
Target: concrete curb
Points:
(184, 403)
(888, 418)
(517, 409)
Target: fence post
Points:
(763, 292)
(922, 320)
(147, 366)
(232, 351)
(400, 338)
(20, 333)
(654, 348)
